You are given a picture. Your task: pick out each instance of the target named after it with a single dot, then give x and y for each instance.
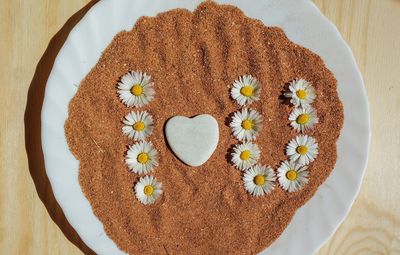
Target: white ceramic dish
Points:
(303, 23)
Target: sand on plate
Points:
(193, 59)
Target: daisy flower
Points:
(246, 90)
(303, 119)
(259, 180)
(292, 176)
(245, 155)
(138, 125)
(142, 158)
(303, 149)
(148, 189)
(246, 124)
(301, 92)
(136, 89)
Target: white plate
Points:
(303, 23)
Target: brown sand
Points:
(193, 59)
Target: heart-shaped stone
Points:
(192, 140)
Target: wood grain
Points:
(32, 32)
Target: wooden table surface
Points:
(31, 34)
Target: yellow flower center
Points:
(148, 190)
(137, 90)
(303, 118)
(143, 157)
(291, 175)
(138, 126)
(302, 150)
(247, 124)
(246, 91)
(259, 180)
(245, 155)
(301, 93)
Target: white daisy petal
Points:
(303, 149)
(303, 119)
(148, 189)
(246, 90)
(292, 176)
(301, 93)
(259, 180)
(136, 89)
(246, 124)
(245, 155)
(142, 157)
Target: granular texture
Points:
(193, 59)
